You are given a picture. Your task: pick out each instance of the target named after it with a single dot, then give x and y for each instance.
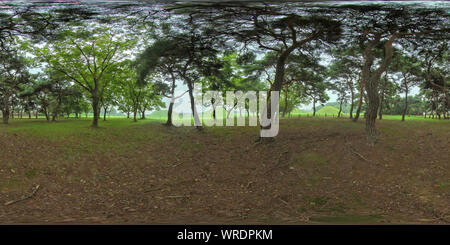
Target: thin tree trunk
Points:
(105, 109)
(340, 109)
(134, 115)
(352, 104)
(314, 107)
(197, 122)
(143, 113)
(405, 109)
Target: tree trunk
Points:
(380, 108)
(172, 100)
(197, 122)
(104, 113)
(353, 99)
(143, 113)
(340, 109)
(47, 116)
(405, 109)
(361, 94)
(314, 107)
(372, 78)
(279, 75)
(95, 110)
(5, 115)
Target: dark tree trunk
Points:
(279, 76)
(340, 109)
(134, 115)
(172, 100)
(47, 116)
(353, 101)
(405, 109)
(380, 108)
(314, 107)
(169, 115)
(371, 113)
(143, 113)
(193, 109)
(105, 109)
(372, 78)
(95, 110)
(5, 115)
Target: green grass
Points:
(309, 159)
(328, 110)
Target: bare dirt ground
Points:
(316, 171)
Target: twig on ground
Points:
(153, 189)
(283, 201)
(359, 155)
(24, 197)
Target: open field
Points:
(318, 170)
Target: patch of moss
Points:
(317, 201)
(444, 184)
(31, 174)
(312, 159)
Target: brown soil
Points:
(314, 172)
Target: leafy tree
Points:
(194, 56)
(346, 69)
(376, 29)
(408, 67)
(86, 57)
(13, 73)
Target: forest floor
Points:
(316, 171)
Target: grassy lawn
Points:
(318, 170)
